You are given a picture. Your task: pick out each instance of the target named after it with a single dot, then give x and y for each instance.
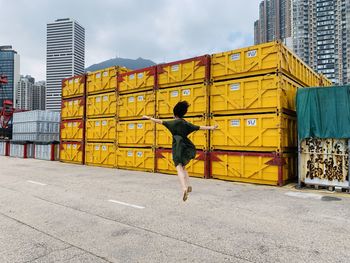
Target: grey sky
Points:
(160, 30)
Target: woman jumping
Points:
(183, 149)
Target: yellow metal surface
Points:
(136, 80)
(73, 87)
(199, 138)
(72, 108)
(138, 159)
(135, 133)
(258, 132)
(134, 106)
(71, 152)
(101, 105)
(101, 129)
(252, 168)
(324, 81)
(266, 93)
(195, 95)
(262, 59)
(100, 154)
(103, 80)
(183, 72)
(72, 130)
(165, 164)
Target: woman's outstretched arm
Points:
(152, 119)
(209, 127)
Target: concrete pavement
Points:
(55, 212)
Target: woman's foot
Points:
(189, 189)
(185, 196)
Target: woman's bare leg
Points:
(187, 180)
(182, 176)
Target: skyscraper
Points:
(24, 93)
(9, 66)
(274, 21)
(65, 57)
(321, 36)
(39, 95)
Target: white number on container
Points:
(130, 153)
(104, 148)
(235, 123)
(105, 98)
(140, 98)
(131, 126)
(186, 92)
(139, 154)
(70, 103)
(97, 123)
(98, 99)
(140, 75)
(97, 147)
(70, 81)
(131, 99)
(68, 146)
(69, 124)
(235, 87)
(76, 102)
(98, 75)
(75, 124)
(251, 53)
(74, 146)
(174, 93)
(104, 123)
(139, 126)
(105, 73)
(76, 80)
(236, 56)
(175, 68)
(132, 76)
(251, 122)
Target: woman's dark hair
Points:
(180, 109)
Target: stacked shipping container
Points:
(73, 119)
(249, 93)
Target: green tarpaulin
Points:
(324, 112)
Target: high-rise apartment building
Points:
(65, 57)
(274, 21)
(39, 95)
(24, 93)
(9, 66)
(321, 36)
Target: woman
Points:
(183, 149)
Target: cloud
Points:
(160, 30)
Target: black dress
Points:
(183, 149)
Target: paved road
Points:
(54, 212)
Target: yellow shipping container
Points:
(196, 95)
(253, 167)
(324, 81)
(102, 105)
(199, 138)
(135, 133)
(72, 130)
(103, 80)
(138, 159)
(259, 132)
(196, 167)
(266, 93)
(71, 152)
(134, 106)
(72, 108)
(262, 59)
(100, 154)
(73, 87)
(137, 80)
(184, 72)
(101, 129)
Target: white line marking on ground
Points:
(304, 195)
(33, 182)
(122, 203)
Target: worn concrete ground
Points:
(55, 212)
